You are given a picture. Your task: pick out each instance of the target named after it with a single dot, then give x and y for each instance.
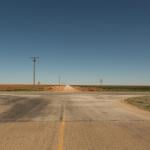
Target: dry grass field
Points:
(23, 87)
(73, 88)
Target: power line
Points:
(34, 60)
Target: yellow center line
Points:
(61, 136)
(61, 129)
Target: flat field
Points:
(77, 88)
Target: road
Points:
(72, 121)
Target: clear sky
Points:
(80, 40)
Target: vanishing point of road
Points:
(72, 121)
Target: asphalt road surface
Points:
(72, 121)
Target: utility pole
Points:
(101, 81)
(59, 80)
(34, 59)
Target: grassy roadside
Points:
(140, 102)
(112, 88)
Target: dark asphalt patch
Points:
(24, 107)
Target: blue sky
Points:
(81, 41)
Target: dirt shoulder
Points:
(142, 102)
